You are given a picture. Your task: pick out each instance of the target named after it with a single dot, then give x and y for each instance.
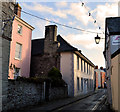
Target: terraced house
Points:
(77, 70)
(20, 49)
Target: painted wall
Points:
(81, 74)
(25, 40)
(101, 77)
(96, 80)
(119, 8)
(115, 81)
(66, 70)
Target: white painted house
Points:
(77, 70)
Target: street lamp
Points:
(97, 39)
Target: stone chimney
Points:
(50, 43)
(17, 10)
(51, 32)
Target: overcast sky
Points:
(75, 15)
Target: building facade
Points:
(20, 49)
(100, 77)
(78, 72)
(112, 58)
(53, 51)
(6, 14)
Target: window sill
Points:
(17, 59)
(19, 34)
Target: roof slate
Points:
(38, 46)
(113, 24)
(64, 45)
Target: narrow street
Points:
(89, 103)
(94, 102)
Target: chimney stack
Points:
(51, 32)
(50, 43)
(17, 10)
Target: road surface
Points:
(90, 103)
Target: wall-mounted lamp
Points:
(97, 39)
(12, 66)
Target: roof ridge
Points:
(67, 42)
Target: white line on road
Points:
(98, 103)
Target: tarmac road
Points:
(90, 103)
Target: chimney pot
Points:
(96, 67)
(17, 10)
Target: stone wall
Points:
(57, 93)
(6, 12)
(42, 64)
(22, 94)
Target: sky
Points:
(75, 15)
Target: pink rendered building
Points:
(20, 49)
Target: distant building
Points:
(77, 70)
(112, 58)
(20, 49)
(100, 77)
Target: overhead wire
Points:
(83, 30)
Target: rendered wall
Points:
(115, 81)
(80, 74)
(25, 40)
(66, 70)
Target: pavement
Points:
(54, 105)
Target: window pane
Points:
(78, 83)
(81, 65)
(81, 84)
(77, 62)
(18, 51)
(19, 29)
(84, 67)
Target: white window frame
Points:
(19, 51)
(19, 29)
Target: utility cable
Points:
(59, 23)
